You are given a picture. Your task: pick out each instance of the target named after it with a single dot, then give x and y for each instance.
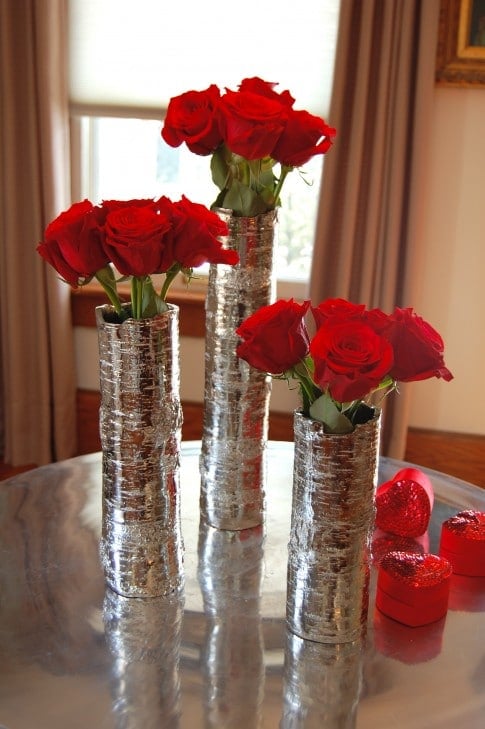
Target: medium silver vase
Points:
(140, 428)
(236, 396)
(332, 517)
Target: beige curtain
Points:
(374, 175)
(37, 366)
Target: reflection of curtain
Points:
(37, 366)
(374, 174)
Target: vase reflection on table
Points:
(230, 572)
(143, 637)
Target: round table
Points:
(74, 654)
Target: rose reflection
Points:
(321, 684)
(143, 636)
(230, 575)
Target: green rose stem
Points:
(285, 170)
(107, 280)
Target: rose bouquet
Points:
(353, 354)
(137, 238)
(248, 132)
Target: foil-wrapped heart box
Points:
(462, 542)
(404, 503)
(413, 588)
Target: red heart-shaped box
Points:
(384, 542)
(413, 588)
(404, 504)
(462, 542)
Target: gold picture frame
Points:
(460, 57)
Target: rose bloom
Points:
(334, 308)
(191, 119)
(255, 85)
(251, 123)
(418, 348)
(73, 243)
(304, 136)
(350, 359)
(134, 239)
(194, 238)
(275, 338)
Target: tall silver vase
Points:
(236, 396)
(140, 428)
(334, 481)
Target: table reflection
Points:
(75, 654)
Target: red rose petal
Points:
(403, 508)
(463, 542)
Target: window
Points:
(120, 86)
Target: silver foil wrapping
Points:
(334, 481)
(236, 396)
(140, 428)
(230, 578)
(143, 637)
(321, 684)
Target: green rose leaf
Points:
(326, 411)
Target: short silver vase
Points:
(332, 518)
(140, 428)
(236, 396)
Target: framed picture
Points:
(460, 58)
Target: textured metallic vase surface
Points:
(321, 684)
(334, 481)
(230, 575)
(236, 396)
(143, 637)
(140, 428)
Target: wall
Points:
(452, 239)
(451, 292)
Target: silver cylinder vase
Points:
(140, 429)
(332, 518)
(236, 396)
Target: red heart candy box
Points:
(463, 543)
(404, 503)
(413, 588)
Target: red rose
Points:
(418, 348)
(190, 118)
(251, 123)
(333, 308)
(194, 238)
(275, 337)
(134, 239)
(256, 85)
(304, 136)
(350, 359)
(73, 243)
